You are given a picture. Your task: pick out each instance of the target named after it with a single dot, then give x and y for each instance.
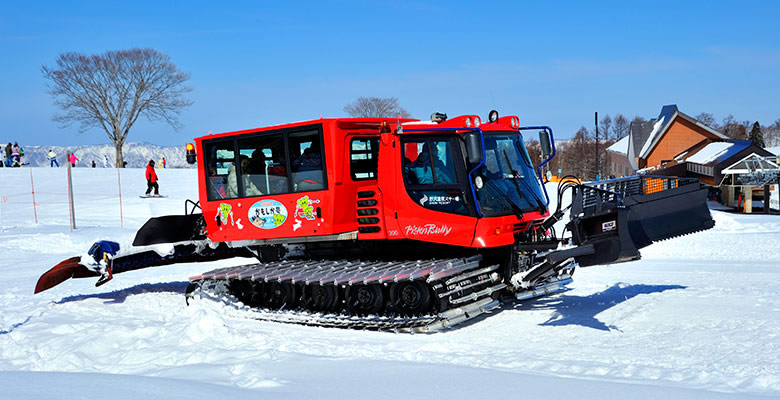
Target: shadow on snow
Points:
(119, 296)
(582, 310)
(568, 310)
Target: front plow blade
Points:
(70, 268)
(621, 216)
(667, 213)
(171, 229)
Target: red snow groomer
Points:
(379, 223)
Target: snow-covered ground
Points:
(697, 317)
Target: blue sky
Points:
(258, 63)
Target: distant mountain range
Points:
(136, 154)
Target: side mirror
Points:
(544, 140)
(474, 148)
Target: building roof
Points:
(751, 163)
(638, 133)
(710, 152)
(621, 146)
(662, 124)
(717, 152)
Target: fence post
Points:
(119, 182)
(70, 195)
(32, 187)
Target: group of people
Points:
(72, 159)
(13, 155)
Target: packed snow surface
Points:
(697, 317)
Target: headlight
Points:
(478, 182)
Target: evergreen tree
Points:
(756, 136)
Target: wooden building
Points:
(675, 144)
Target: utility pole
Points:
(596, 118)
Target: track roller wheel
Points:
(248, 292)
(279, 296)
(411, 297)
(365, 299)
(320, 297)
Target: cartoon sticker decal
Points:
(304, 208)
(267, 214)
(224, 212)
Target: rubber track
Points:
(466, 287)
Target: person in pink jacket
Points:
(72, 159)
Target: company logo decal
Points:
(428, 230)
(267, 214)
(438, 200)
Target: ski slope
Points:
(697, 317)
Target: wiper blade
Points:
(499, 194)
(539, 201)
(517, 176)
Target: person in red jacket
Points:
(151, 179)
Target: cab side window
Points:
(432, 176)
(306, 161)
(429, 162)
(363, 158)
(220, 161)
(265, 163)
(262, 165)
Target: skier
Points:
(105, 161)
(8, 152)
(94, 164)
(151, 179)
(16, 155)
(72, 159)
(164, 163)
(53, 158)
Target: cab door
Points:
(432, 191)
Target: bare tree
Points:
(772, 135)
(582, 156)
(708, 119)
(111, 90)
(605, 127)
(734, 129)
(620, 127)
(382, 107)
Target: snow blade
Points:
(618, 217)
(61, 272)
(171, 229)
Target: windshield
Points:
(510, 184)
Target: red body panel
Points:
(394, 214)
